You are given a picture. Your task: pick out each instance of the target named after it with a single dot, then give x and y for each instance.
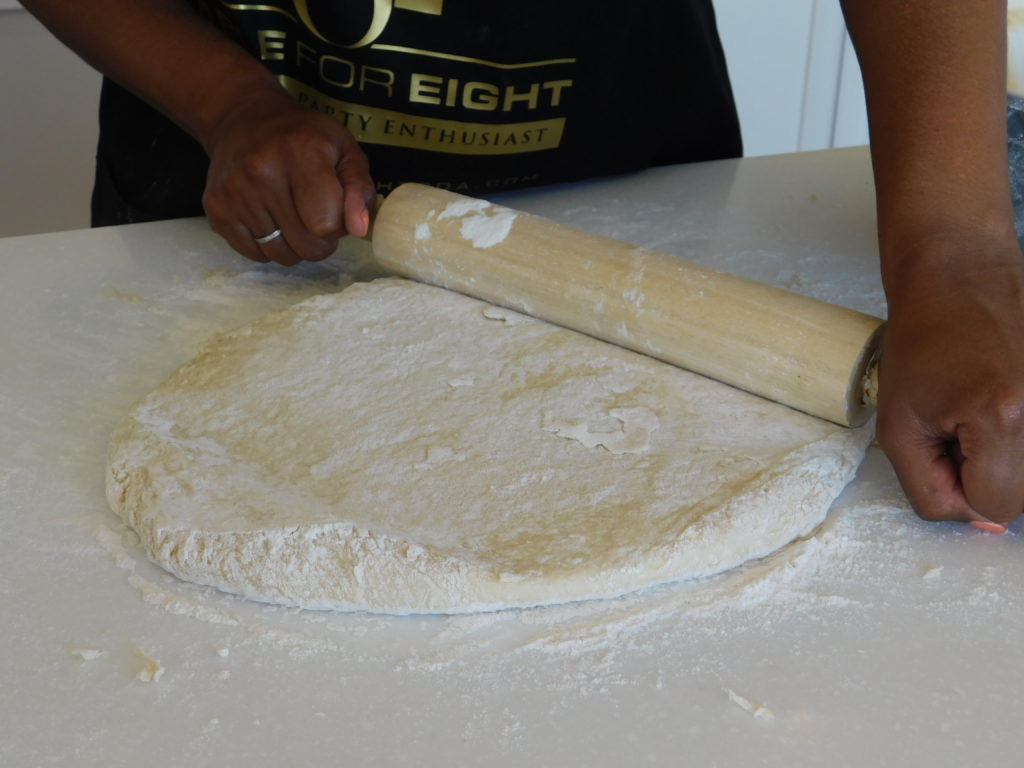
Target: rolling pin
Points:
(808, 354)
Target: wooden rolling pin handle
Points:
(789, 348)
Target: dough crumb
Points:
(760, 711)
(932, 574)
(507, 316)
(86, 654)
(151, 671)
(223, 652)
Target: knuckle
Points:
(215, 206)
(318, 250)
(308, 139)
(1005, 408)
(327, 226)
(262, 167)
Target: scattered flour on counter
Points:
(113, 542)
(179, 599)
(832, 576)
(87, 654)
(592, 635)
(155, 595)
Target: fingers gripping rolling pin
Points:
(802, 352)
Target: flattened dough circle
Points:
(399, 448)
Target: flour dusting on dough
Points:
(628, 430)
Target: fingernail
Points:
(365, 218)
(988, 525)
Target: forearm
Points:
(935, 78)
(164, 52)
(951, 383)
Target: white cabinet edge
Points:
(10, 5)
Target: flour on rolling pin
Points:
(481, 223)
(783, 346)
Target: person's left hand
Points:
(951, 387)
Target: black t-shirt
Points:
(472, 96)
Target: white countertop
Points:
(880, 640)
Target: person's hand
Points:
(951, 387)
(276, 166)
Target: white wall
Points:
(796, 83)
(48, 129)
(794, 74)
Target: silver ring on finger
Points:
(267, 238)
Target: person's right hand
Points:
(275, 165)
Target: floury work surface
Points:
(877, 640)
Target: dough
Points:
(403, 449)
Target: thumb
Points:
(358, 187)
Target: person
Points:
(266, 105)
